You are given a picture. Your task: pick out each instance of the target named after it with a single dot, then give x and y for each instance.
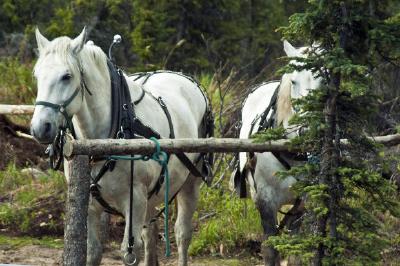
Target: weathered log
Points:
(9, 109)
(388, 140)
(75, 225)
(26, 136)
(144, 146)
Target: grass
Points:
(232, 223)
(16, 242)
(31, 205)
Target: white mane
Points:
(284, 110)
(90, 56)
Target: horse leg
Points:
(293, 225)
(269, 224)
(187, 203)
(150, 237)
(94, 242)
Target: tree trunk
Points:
(329, 162)
(75, 224)
(330, 154)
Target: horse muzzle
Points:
(44, 133)
(44, 126)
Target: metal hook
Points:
(116, 40)
(120, 133)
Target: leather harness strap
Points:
(136, 128)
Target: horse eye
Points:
(293, 82)
(66, 77)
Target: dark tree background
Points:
(190, 36)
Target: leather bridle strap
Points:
(62, 108)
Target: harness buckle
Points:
(238, 125)
(120, 133)
(94, 190)
(49, 150)
(161, 102)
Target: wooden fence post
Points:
(75, 224)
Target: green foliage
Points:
(234, 222)
(16, 83)
(269, 134)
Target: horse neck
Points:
(94, 118)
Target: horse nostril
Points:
(47, 127)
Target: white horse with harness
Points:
(79, 89)
(266, 106)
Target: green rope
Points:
(161, 158)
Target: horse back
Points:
(254, 105)
(183, 96)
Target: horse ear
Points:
(78, 42)
(289, 49)
(41, 41)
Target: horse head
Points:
(294, 86)
(301, 81)
(59, 85)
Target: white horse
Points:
(66, 66)
(268, 191)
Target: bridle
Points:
(55, 149)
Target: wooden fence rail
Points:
(145, 146)
(10, 109)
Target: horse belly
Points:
(268, 183)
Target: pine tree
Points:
(343, 185)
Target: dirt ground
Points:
(14, 148)
(39, 255)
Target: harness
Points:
(206, 129)
(125, 124)
(267, 120)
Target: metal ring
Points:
(120, 135)
(126, 258)
(125, 106)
